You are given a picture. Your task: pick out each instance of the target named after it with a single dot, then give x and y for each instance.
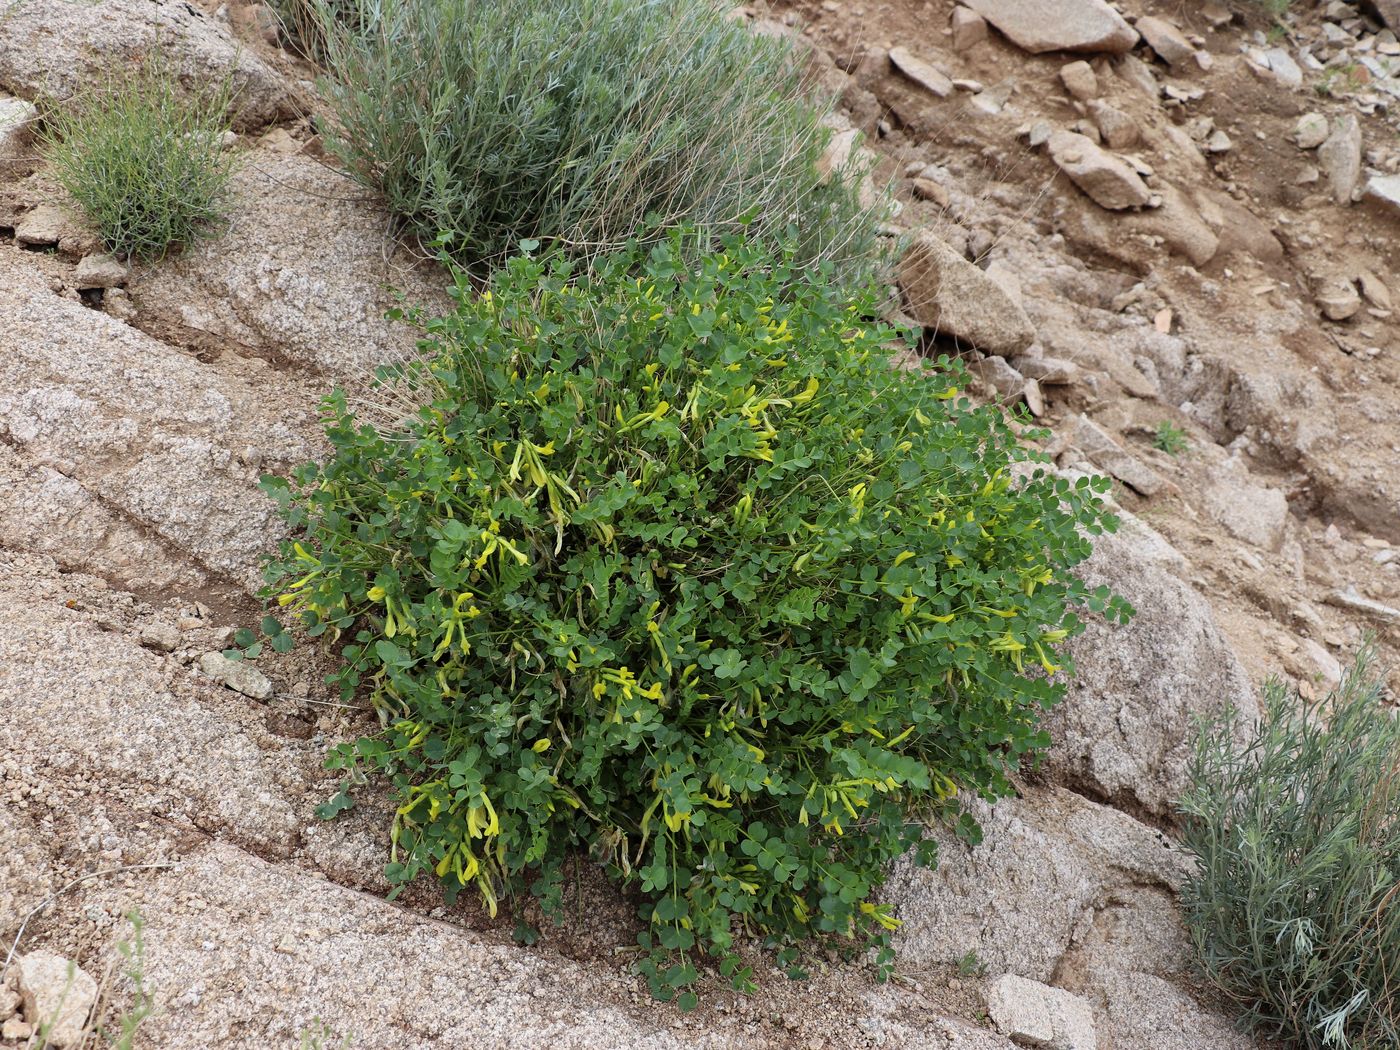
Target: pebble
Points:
(40, 227)
(238, 675)
(1338, 298)
(1166, 39)
(160, 636)
(1285, 70)
(1311, 131)
(1219, 142)
(928, 190)
(920, 72)
(57, 993)
(969, 28)
(100, 271)
(1340, 158)
(1349, 598)
(1080, 80)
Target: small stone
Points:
(1119, 131)
(1320, 665)
(1219, 142)
(921, 72)
(1106, 453)
(1166, 39)
(238, 675)
(1038, 134)
(1035, 1014)
(1340, 158)
(1285, 70)
(40, 227)
(1059, 25)
(1048, 371)
(1307, 175)
(1107, 179)
(1080, 80)
(1138, 73)
(840, 148)
(993, 100)
(997, 374)
(161, 636)
(1350, 599)
(1384, 190)
(16, 118)
(14, 1028)
(969, 29)
(101, 271)
(1374, 289)
(1311, 131)
(928, 190)
(973, 87)
(946, 293)
(1338, 299)
(280, 140)
(58, 996)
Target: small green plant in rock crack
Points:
(144, 158)
(1169, 438)
(971, 965)
(320, 1037)
(664, 560)
(1292, 907)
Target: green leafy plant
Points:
(666, 562)
(1292, 907)
(1169, 438)
(971, 965)
(144, 159)
(578, 121)
(122, 1035)
(320, 1037)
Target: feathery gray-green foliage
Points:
(144, 159)
(577, 121)
(1293, 908)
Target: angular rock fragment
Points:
(1059, 25)
(1104, 452)
(1080, 80)
(921, 72)
(947, 293)
(238, 675)
(1035, 1014)
(1110, 181)
(1340, 158)
(969, 28)
(100, 271)
(1167, 40)
(57, 997)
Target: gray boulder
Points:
(1109, 180)
(1059, 25)
(1126, 727)
(57, 48)
(310, 278)
(947, 293)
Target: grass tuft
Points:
(1293, 907)
(144, 159)
(579, 122)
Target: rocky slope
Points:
(1127, 216)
